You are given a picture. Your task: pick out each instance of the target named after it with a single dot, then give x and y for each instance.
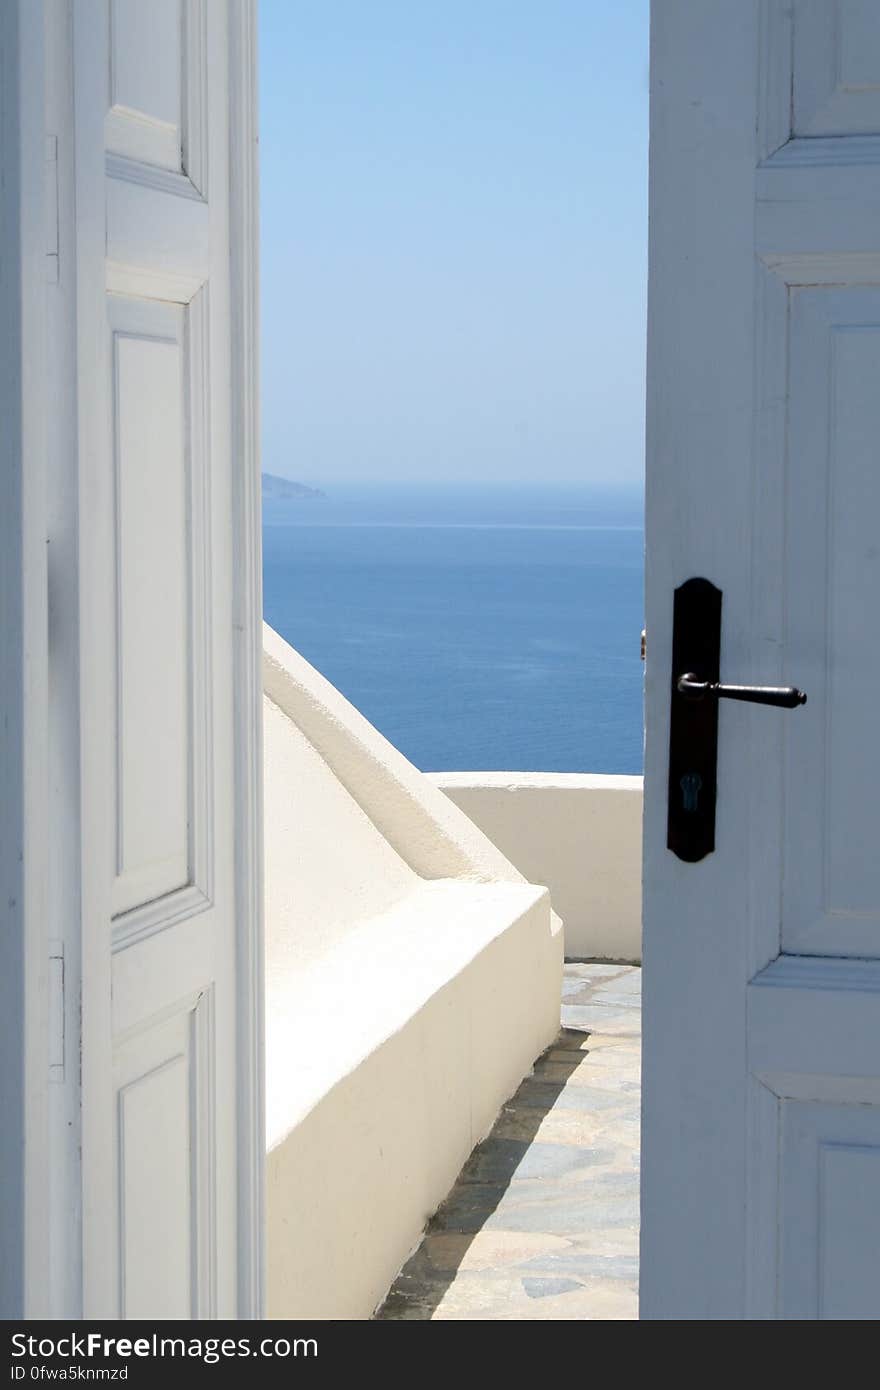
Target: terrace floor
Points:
(543, 1220)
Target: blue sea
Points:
(477, 628)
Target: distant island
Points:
(273, 486)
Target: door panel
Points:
(144, 117)
(831, 898)
(168, 1113)
(158, 85)
(836, 70)
(153, 608)
(830, 1178)
(163, 1137)
(762, 1000)
(163, 704)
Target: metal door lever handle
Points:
(783, 696)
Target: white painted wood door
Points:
(168, 545)
(761, 1147)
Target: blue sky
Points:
(454, 229)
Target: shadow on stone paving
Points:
(486, 1177)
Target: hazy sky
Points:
(454, 225)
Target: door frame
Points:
(31, 827)
(248, 651)
(703, 487)
(23, 671)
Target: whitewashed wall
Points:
(412, 978)
(578, 834)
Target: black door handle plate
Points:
(693, 720)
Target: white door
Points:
(156, 269)
(761, 1157)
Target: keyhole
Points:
(690, 785)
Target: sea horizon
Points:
(478, 626)
(563, 505)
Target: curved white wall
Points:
(580, 834)
(413, 977)
(415, 818)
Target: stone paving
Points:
(543, 1220)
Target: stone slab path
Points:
(543, 1220)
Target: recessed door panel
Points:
(831, 896)
(164, 1167)
(152, 603)
(836, 86)
(830, 1206)
(146, 52)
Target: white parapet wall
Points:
(579, 834)
(412, 977)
